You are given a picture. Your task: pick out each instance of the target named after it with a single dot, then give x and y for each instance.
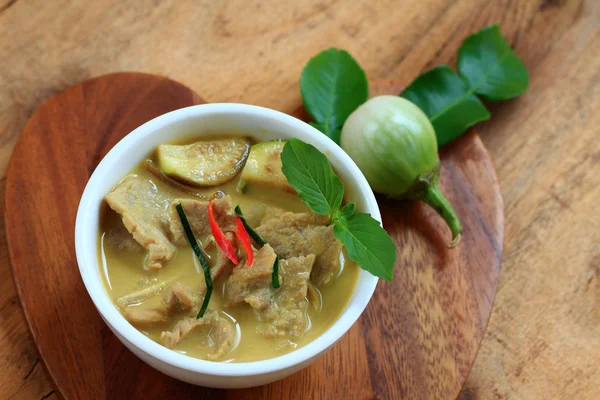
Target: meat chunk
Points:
(286, 314)
(122, 240)
(221, 264)
(176, 297)
(145, 316)
(143, 294)
(143, 210)
(252, 285)
(293, 235)
(197, 215)
(219, 332)
(270, 213)
(179, 297)
(283, 310)
(327, 264)
(257, 213)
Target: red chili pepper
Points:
(243, 236)
(219, 236)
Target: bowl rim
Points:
(87, 255)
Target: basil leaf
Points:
(334, 134)
(348, 210)
(444, 98)
(311, 175)
(490, 67)
(332, 86)
(367, 244)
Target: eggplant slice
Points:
(204, 163)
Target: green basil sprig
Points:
(447, 102)
(311, 175)
(487, 66)
(490, 67)
(333, 85)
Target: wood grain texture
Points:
(19, 358)
(543, 339)
(419, 335)
(67, 137)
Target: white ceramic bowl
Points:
(187, 123)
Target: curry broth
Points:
(124, 273)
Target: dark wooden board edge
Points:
(146, 85)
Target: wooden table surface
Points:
(543, 339)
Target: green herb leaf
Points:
(487, 66)
(345, 212)
(205, 267)
(261, 242)
(311, 175)
(334, 134)
(490, 67)
(309, 172)
(275, 274)
(449, 104)
(332, 86)
(348, 210)
(367, 244)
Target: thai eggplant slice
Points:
(206, 162)
(264, 166)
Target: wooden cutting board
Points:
(417, 339)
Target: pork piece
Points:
(257, 213)
(176, 297)
(197, 215)
(293, 235)
(270, 213)
(143, 210)
(141, 295)
(286, 314)
(282, 310)
(220, 265)
(145, 316)
(252, 285)
(219, 331)
(179, 297)
(327, 264)
(122, 240)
